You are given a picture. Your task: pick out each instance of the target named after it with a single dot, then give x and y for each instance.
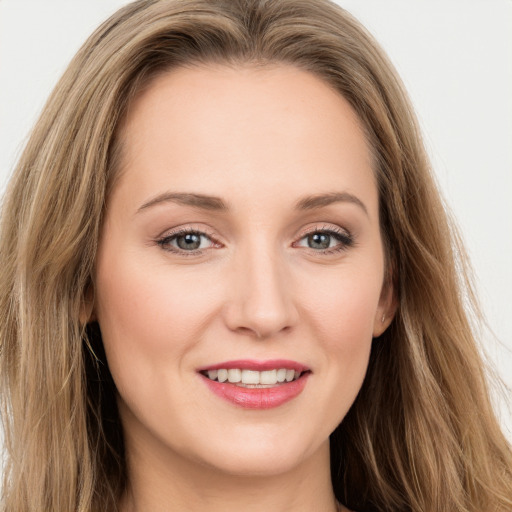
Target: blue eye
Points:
(192, 242)
(185, 241)
(319, 241)
(326, 241)
(188, 242)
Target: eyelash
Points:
(344, 238)
(167, 239)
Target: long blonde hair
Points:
(421, 435)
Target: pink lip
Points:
(257, 398)
(259, 366)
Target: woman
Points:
(229, 280)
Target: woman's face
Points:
(242, 235)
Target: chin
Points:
(257, 464)
(261, 455)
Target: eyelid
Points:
(184, 230)
(325, 228)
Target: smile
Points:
(253, 378)
(256, 384)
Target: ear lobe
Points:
(87, 313)
(388, 304)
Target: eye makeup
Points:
(194, 242)
(187, 242)
(318, 237)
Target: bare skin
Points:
(267, 279)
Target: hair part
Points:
(421, 435)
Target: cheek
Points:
(345, 308)
(148, 316)
(342, 320)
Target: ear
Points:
(388, 304)
(87, 313)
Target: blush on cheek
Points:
(346, 312)
(159, 310)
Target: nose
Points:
(261, 299)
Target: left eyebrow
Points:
(187, 199)
(320, 200)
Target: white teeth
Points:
(268, 377)
(265, 378)
(234, 375)
(250, 377)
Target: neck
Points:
(166, 482)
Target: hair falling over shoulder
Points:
(422, 435)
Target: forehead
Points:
(243, 130)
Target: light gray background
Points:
(455, 57)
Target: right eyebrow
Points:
(318, 201)
(202, 201)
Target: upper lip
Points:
(255, 365)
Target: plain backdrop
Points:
(455, 57)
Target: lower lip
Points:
(257, 398)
